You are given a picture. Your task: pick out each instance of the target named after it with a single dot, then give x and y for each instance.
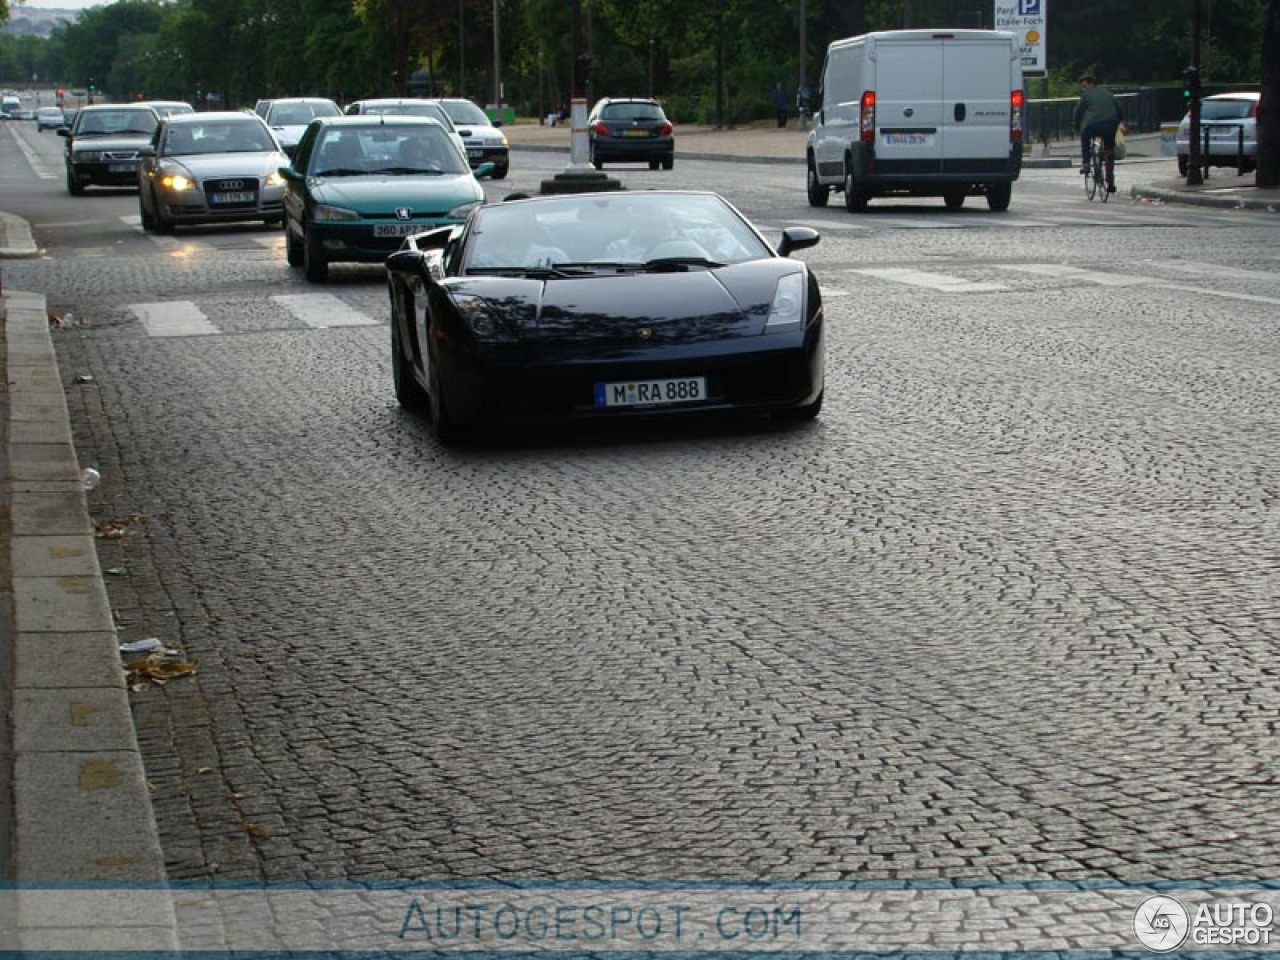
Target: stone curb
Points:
(1227, 202)
(16, 241)
(82, 810)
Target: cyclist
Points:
(1098, 114)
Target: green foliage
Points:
(710, 63)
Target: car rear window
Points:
(632, 111)
(1225, 109)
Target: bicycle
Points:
(1095, 178)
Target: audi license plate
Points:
(651, 393)
(242, 197)
(397, 229)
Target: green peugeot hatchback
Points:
(359, 185)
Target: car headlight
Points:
(87, 156)
(501, 140)
(460, 213)
(324, 212)
(787, 309)
(478, 316)
(176, 181)
(274, 179)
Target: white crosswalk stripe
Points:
(323, 310)
(1061, 270)
(942, 282)
(173, 318)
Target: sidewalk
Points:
(81, 808)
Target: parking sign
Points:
(1026, 20)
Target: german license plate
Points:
(122, 167)
(635, 133)
(651, 393)
(242, 197)
(397, 229)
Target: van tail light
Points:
(1016, 99)
(665, 130)
(867, 116)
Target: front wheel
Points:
(807, 412)
(292, 247)
(314, 265)
(818, 193)
(73, 185)
(409, 392)
(998, 196)
(954, 199)
(146, 216)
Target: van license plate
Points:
(909, 139)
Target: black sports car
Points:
(603, 306)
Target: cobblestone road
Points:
(1008, 610)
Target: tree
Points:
(1268, 174)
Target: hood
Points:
(241, 165)
(425, 196)
(591, 314)
(115, 141)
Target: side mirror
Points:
(147, 150)
(64, 131)
(484, 170)
(290, 175)
(797, 238)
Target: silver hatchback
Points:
(1228, 132)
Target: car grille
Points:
(119, 154)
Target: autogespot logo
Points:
(1161, 924)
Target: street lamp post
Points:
(1195, 175)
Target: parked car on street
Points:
(481, 138)
(103, 145)
(215, 167)
(630, 130)
(289, 116)
(603, 307)
(359, 184)
(1230, 123)
(49, 118)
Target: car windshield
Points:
(632, 111)
(610, 233)
(464, 111)
(420, 149)
(299, 114)
(116, 122)
(1225, 109)
(233, 136)
(408, 110)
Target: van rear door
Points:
(978, 73)
(909, 80)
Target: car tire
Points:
(409, 393)
(163, 223)
(74, 187)
(146, 216)
(1183, 164)
(954, 199)
(818, 193)
(500, 173)
(654, 163)
(668, 162)
(595, 160)
(856, 198)
(292, 247)
(998, 196)
(314, 265)
(444, 426)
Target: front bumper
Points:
(105, 173)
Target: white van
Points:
(11, 106)
(934, 113)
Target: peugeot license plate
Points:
(397, 229)
(651, 393)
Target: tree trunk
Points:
(1268, 174)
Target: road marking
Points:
(173, 318)
(38, 165)
(1227, 294)
(1062, 271)
(1216, 272)
(323, 310)
(941, 282)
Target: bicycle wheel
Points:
(1091, 179)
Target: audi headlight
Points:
(787, 309)
(274, 179)
(176, 181)
(324, 212)
(478, 316)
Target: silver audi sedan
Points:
(218, 167)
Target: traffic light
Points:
(1190, 84)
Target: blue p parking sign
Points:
(1028, 8)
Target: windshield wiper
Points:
(410, 171)
(532, 273)
(341, 172)
(679, 264)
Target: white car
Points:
(1228, 132)
(49, 118)
(482, 140)
(288, 117)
